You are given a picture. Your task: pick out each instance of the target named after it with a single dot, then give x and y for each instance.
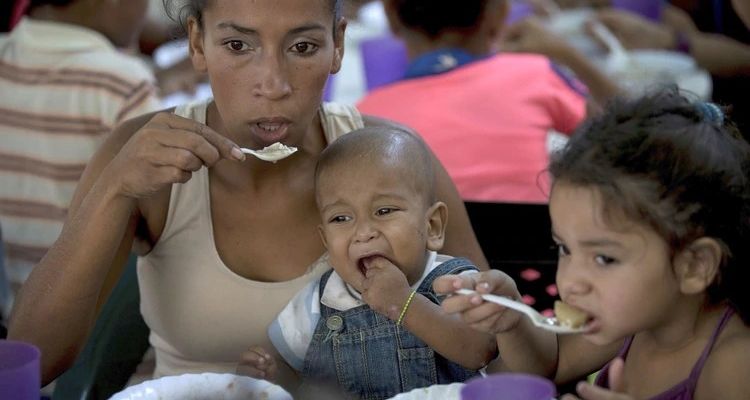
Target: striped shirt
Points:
(62, 90)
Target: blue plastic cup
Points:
(509, 386)
(19, 370)
(650, 9)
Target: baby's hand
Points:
(385, 288)
(480, 315)
(258, 363)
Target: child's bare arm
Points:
(523, 347)
(448, 335)
(386, 290)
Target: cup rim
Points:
(31, 353)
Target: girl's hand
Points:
(385, 288)
(167, 150)
(588, 391)
(480, 315)
(258, 363)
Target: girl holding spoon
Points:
(650, 212)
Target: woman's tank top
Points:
(685, 389)
(202, 315)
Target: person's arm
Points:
(448, 335)
(522, 347)
(528, 35)
(716, 53)
(460, 240)
(387, 291)
(58, 304)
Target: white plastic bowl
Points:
(204, 386)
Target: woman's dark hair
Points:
(665, 161)
(436, 16)
(180, 10)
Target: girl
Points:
(650, 210)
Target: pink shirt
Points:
(487, 122)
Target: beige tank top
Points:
(202, 315)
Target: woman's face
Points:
(267, 61)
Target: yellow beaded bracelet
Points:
(406, 305)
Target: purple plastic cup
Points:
(509, 386)
(518, 11)
(19, 370)
(650, 9)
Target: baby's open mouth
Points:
(365, 262)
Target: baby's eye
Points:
(236, 46)
(339, 219)
(384, 211)
(562, 250)
(604, 260)
(304, 48)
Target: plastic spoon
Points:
(272, 153)
(539, 320)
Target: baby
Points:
(372, 326)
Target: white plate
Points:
(204, 386)
(434, 392)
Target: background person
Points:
(65, 86)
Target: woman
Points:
(227, 246)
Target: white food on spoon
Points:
(275, 152)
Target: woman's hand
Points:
(588, 391)
(167, 150)
(480, 315)
(257, 362)
(385, 288)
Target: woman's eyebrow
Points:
(308, 27)
(238, 28)
(251, 31)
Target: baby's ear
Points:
(698, 265)
(437, 219)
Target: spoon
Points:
(539, 320)
(272, 153)
(618, 59)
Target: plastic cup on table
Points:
(509, 386)
(650, 9)
(19, 370)
(518, 11)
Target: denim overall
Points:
(367, 355)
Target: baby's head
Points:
(674, 168)
(374, 189)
